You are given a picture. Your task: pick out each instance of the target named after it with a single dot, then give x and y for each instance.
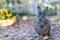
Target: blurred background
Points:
(29, 7)
(27, 10)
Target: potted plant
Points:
(6, 18)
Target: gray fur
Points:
(42, 25)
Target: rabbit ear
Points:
(39, 9)
(45, 11)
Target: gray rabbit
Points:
(42, 24)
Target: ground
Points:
(25, 31)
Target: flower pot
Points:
(6, 23)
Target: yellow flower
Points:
(6, 10)
(7, 14)
(10, 15)
(1, 11)
(14, 17)
(3, 17)
(8, 18)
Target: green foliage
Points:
(29, 13)
(51, 12)
(2, 2)
(13, 2)
(15, 12)
(54, 3)
(18, 1)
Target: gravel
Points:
(25, 31)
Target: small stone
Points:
(46, 37)
(1, 35)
